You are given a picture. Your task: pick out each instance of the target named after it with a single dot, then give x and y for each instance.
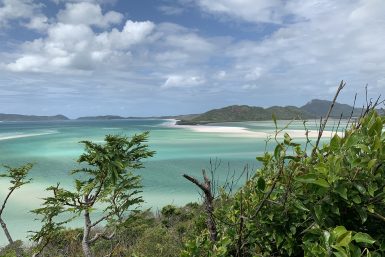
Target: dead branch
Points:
(101, 235)
(208, 202)
(323, 125)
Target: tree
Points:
(18, 178)
(106, 182)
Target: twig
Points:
(208, 202)
(352, 112)
(322, 127)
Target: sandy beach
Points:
(245, 132)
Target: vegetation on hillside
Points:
(19, 117)
(314, 109)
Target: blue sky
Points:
(161, 57)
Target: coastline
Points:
(237, 131)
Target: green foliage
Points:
(105, 182)
(9, 250)
(157, 241)
(142, 234)
(17, 176)
(328, 204)
(247, 113)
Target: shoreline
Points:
(237, 131)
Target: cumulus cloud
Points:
(78, 47)
(88, 14)
(311, 46)
(84, 37)
(39, 23)
(11, 10)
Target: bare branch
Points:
(208, 202)
(352, 112)
(101, 235)
(323, 125)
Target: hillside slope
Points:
(314, 109)
(19, 117)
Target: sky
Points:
(169, 57)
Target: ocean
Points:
(228, 148)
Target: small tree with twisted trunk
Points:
(17, 178)
(106, 182)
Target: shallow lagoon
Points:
(54, 147)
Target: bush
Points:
(330, 203)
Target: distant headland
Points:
(314, 109)
(20, 117)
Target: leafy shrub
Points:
(330, 203)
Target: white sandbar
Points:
(244, 132)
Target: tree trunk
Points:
(86, 235)
(10, 240)
(210, 217)
(208, 203)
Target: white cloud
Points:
(253, 74)
(88, 14)
(329, 41)
(29, 62)
(78, 47)
(269, 11)
(17, 9)
(132, 33)
(39, 23)
(312, 46)
(189, 42)
(182, 81)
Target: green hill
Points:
(103, 117)
(319, 108)
(312, 110)
(247, 113)
(19, 117)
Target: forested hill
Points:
(104, 117)
(247, 113)
(314, 109)
(319, 108)
(19, 117)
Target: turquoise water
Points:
(54, 148)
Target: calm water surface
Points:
(54, 148)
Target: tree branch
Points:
(101, 235)
(323, 125)
(208, 202)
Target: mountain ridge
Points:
(21, 117)
(314, 109)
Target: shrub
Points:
(330, 203)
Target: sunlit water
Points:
(53, 148)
